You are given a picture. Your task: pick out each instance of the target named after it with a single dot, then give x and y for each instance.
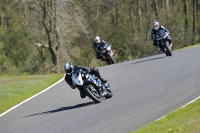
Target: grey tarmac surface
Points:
(144, 90)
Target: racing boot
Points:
(95, 71)
(82, 95)
(170, 47)
(103, 93)
(107, 85)
(102, 59)
(102, 79)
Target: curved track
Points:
(144, 90)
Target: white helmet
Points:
(97, 39)
(69, 68)
(155, 25)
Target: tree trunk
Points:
(167, 5)
(139, 15)
(194, 22)
(51, 30)
(57, 32)
(198, 18)
(148, 19)
(156, 9)
(0, 20)
(116, 12)
(131, 17)
(186, 16)
(89, 14)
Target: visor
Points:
(69, 70)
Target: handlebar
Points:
(166, 35)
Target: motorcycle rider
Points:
(96, 45)
(69, 68)
(157, 27)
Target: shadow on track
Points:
(148, 60)
(145, 60)
(63, 109)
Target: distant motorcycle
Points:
(107, 54)
(162, 42)
(91, 86)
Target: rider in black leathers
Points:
(69, 68)
(96, 45)
(157, 27)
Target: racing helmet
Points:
(97, 39)
(69, 68)
(155, 25)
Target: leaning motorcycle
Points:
(91, 86)
(107, 54)
(163, 44)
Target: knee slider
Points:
(94, 69)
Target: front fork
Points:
(104, 56)
(161, 45)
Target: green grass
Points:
(16, 89)
(183, 120)
(191, 46)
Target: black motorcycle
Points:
(163, 44)
(107, 54)
(91, 86)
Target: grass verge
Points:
(183, 120)
(16, 89)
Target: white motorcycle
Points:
(91, 86)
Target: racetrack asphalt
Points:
(144, 90)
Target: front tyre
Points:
(167, 50)
(109, 59)
(109, 94)
(93, 93)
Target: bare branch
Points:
(41, 45)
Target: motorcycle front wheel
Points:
(109, 94)
(167, 50)
(109, 59)
(93, 93)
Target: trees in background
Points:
(40, 36)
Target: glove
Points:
(85, 69)
(109, 45)
(94, 69)
(73, 87)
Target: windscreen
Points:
(104, 46)
(160, 34)
(76, 73)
